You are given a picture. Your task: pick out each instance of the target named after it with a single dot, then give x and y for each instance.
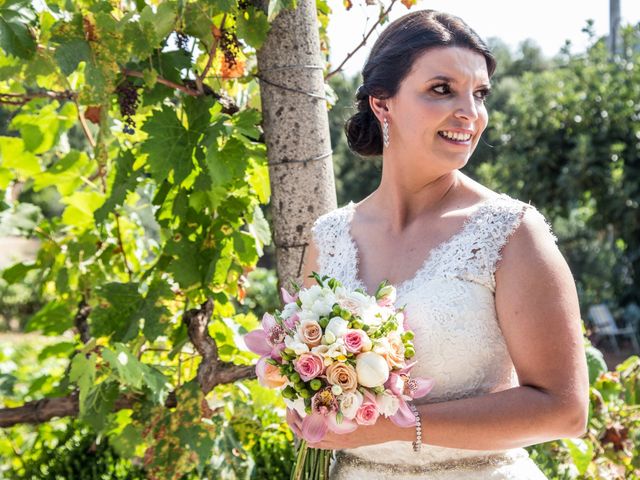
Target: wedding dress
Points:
(451, 309)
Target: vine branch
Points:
(363, 42)
(211, 372)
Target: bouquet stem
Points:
(311, 463)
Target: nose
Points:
(467, 108)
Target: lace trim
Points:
(347, 460)
(432, 259)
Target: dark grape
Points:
(230, 47)
(128, 101)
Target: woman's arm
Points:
(538, 312)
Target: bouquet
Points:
(341, 359)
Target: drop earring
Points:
(385, 132)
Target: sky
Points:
(548, 22)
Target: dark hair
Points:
(391, 60)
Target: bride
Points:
(488, 294)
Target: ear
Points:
(380, 107)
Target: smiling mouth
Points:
(455, 136)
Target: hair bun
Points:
(363, 132)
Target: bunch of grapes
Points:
(230, 47)
(128, 101)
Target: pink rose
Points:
(309, 366)
(367, 414)
(356, 341)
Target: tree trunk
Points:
(296, 129)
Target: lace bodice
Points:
(450, 306)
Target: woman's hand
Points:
(382, 431)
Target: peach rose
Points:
(269, 375)
(310, 332)
(344, 375)
(392, 349)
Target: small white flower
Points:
(388, 404)
(308, 296)
(289, 309)
(350, 403)
(296, 344)
(336, 390)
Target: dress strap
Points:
(493, 228)
(332, 240)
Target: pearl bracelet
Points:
(417, 444)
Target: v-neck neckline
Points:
(428, 259)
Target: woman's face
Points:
(438, 113)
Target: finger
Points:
(294, 422)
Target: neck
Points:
(403, 196)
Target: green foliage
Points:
(123, 115)
(611, 446)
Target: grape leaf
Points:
(168, 146)
(54, 318)
(15, 18)
(69, 54)
(125, 180)
(253, 27)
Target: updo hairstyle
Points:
(391, 60)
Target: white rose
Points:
(372, 369)
(337, 327)
(337, 349)
(387, 404)
(355, 302)
(296, 344)
(350, 403)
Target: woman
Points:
(489, 296)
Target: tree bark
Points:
(296, 130)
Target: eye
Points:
(483, 93)
(442, 89)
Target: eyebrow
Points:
(452, 80)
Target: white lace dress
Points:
(450, 305)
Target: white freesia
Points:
(387, 404)
(372, 316)
(296, 344)
(337, 327)
(309, 296)
(350, 403)
(372, 369)
(323, 305)
(289, 309)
